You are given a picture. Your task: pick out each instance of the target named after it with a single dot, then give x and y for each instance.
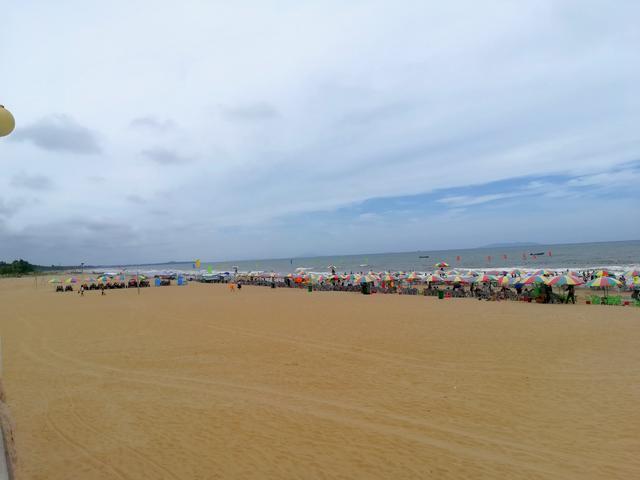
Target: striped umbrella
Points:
(603, 273)
(516, 271)
(367, 278)
(562, 280)
(412, 277)
(542, 272)
(433, 278)
(504, 281)
(603, 282)
(442, 265)
(533, 279)
(484, 278)
(456, 279)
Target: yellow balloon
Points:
(7, 122)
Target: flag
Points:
(209, 270)
(197, 264)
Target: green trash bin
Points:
(309, 288)
(440, 294)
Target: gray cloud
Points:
(164, 156)
(59, 133)
(96, 179)
(250, 112)
(153, 123)
(8, 208)
(32, 182)
(136, 199)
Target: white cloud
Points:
(290, 108)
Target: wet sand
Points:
(198, 382)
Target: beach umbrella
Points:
(71, 280)
(604, 273)
(504, 281)
(432, 278)
(441, 265)
(365, 278)
(542, 272)
(603, 282)
(456, 279)
(89, 280)
(387, 277)
(533, 279)
(516, 271)
(54, 280)
(562, 280)
(484, 278)
(412, 277)
(632, 273)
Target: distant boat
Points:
(423, 256)
(536, 254)
(364, 265)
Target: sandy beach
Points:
(198, 382)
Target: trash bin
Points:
(440, 294)
(309, 288)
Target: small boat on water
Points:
(423, 256)
(536, 254)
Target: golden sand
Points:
(198, 382)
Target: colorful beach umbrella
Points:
(603, 282)
(71, 280)
(54, 280)
(504, 281)
(533, 279)
(484, 278)
(412, 277)
(562, 280)
(603, 273)
(632, 273)
(456, 279)
(442, 265)
(433, 278)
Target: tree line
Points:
(17, 267)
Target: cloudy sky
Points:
(150, 131)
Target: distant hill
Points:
(511, 244)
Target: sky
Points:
(154, 131)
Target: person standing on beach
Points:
(571, 294)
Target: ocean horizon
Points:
(617, 256)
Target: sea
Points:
(618, 257)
